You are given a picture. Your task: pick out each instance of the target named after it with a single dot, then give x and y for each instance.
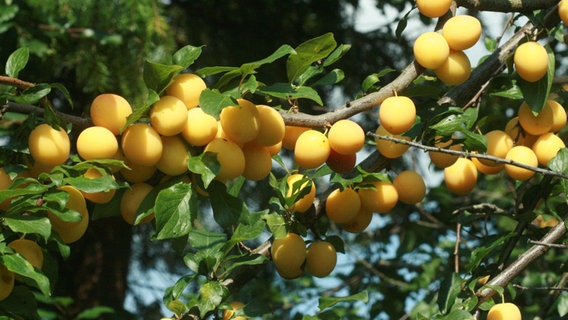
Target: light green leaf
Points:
(248, 231)
(328, 302)
(19, 265)
(32, 95)
(205, 165)
(29, 225)
(17, 61)
(276, 224)
(211, 294)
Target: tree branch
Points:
(506, 5)
(522, 262)
(15, 82)
(79, 123)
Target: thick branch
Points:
(519, 265)
(77, 122)
(365, 103)
(506, 5)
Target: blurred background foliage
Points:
(94, 46)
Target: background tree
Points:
(420, 261)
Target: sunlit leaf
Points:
(17, 61)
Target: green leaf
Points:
(174, 292)
(328, 302)
(226, 208)
(29, 224)
(459, 314)
(17, 61)
(212, 102)
(337, 242)
(372, 79)
(32, 95)
(401, 26)
(174, 211)
(560, 164)
(337, 54)
(245, 260)
(333, 77)
(449, 289)
(535, 94)
(95, 312)
(20, 302)
(105, 182)
(562, 305)
(109, 209)
(209, 71)
(205, 165)
(211, 294)
(287, 91)
(19, 265)
(276, 224)
(157, 76)
(307, 53)
(186, 56)
(140, 112)
(513, 92)
(282, 51)
(479, 253)
(200, 239)
(245, 232)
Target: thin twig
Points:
(457, 249)
(550, 245)
(16, 82)
(518, 286)
(467, 154)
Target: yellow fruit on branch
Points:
(97, 197)
(455, 70)
(7, 280)
(563, 11)
(546, 147)
(132, 199)
(498, 144)
(110, 111)
(410, 187)
(230, 157)
(504, 311)
(390, 149)
(305, 202)
(258, 161)
(462, 32)
(312, 149)
(433, 8)
(200, 127)
(291, 134)
(461, 177)
(240, 123)
(288, 254)
(97, 143)
(271, 128)
(397, 114)
(536, 124)
(431, 50)
(442, 159)
(524, 155)
(342, 206)
(48, 145)
(531, 61)
(141, 144)
(346, 137)
(71, 231)
(360, 222)
(168, 116)
(381, 197)
(321, 258)
(174, 157)
(187, 87)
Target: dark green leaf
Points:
(109, 209)
(245, 260)
(307, 53)
(157, 76)
(186, 56)
(64, 91)
(173, 210)
(248, 231)
(535, 94)
(337, 54)
(174, 292)
(95, 312)
(17, 61)
(20, 302)
(284, 50)
(208, 71)
(226, 208)
(479, 253)
(459, 314)
(333, 77)
(286, 91)
(401, 26)
(449, 289)
(212, 102)
(328, 302)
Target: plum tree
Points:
(200, 127)
(523, 155)
(141, 144)
(240, 123)
(397, 114)
(461, 177)
(433, 8)
(296, 183)
(455, 70)
(30, 250)
(431, 50)
(462, 32)
(505, 310)
(342, 206)
(132, 199)
(311, 149)
(288, 254)
(174, 157)
(230, 157)
(71, 230)
(168, 116)
(187, 87)
(380, 196)
(410, 187)
(346, 137)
